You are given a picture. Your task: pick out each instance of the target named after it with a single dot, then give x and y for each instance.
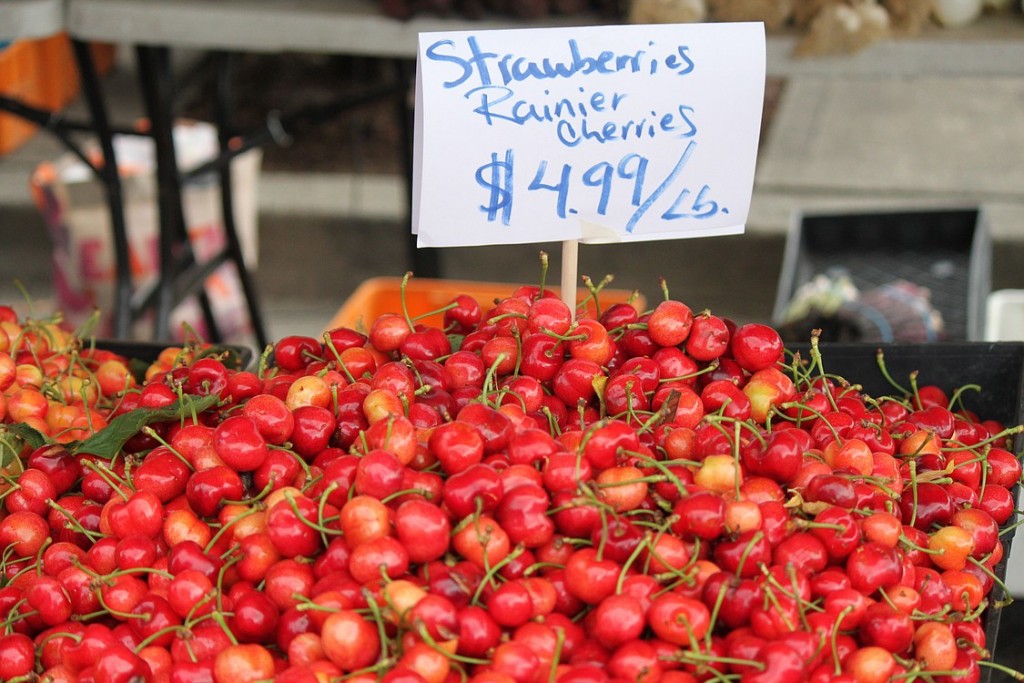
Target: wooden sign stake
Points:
(570, 268)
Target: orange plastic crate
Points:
(41, 73)
(380, 295)
(60, 72)
(20, 69)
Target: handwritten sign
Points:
(596, 134)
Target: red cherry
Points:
(670, 323)
(708, 338)
(240, 444)
(294, 353)
(756, 346)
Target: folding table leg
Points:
(123, 314)
(223, 113)
(175, 249)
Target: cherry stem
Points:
(816, 413)
(1011, 527)
(153, 637)
(770, 596)
(1007, 599)
(880, 359)
(633, 556)
(308, 522)
(663, 283)
(715, 659)
(903, 539)
(490, 383)
(322, 506)
(667, 473)
(746, 551)
(559, 337)
(492, 572)
(107, 475)
(13, 615)
(912, 465)
(834, 639)
(958, 394)
(816, 362)
(977, 612)
(218, 618)
(221, 573)
(544, 264)
(595, 290)
(379, 621)
(405, 304)
(424, 633)
(191, 619)
(397, 494)
(436, 311)
(329, 344)
(557, 655)
(75, 524)
(231, 522)
(1004, 434)
(264, 362)
(116, 613)
(713, 620)
(264, 492)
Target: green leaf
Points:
(109, 441)
(27, 434)
(10, 455)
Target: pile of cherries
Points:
(519, 496)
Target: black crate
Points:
(996, 367)
(140, 354)
(947, 251)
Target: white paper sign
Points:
(597, 134)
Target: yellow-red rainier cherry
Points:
(719, 473)
(766, 389)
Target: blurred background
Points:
(869, 107)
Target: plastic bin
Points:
(947, 251)
(998, 368)
(41, 73)
(21, 77)
(380, 295)
(1004, 315)
(141, 354)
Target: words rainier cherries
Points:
(521, 496)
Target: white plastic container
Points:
(1004, 315)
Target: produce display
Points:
(517, 497)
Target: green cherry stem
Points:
(405, 304)
(329, 345)
(308, 522)
(378, 619)
(880, 359)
